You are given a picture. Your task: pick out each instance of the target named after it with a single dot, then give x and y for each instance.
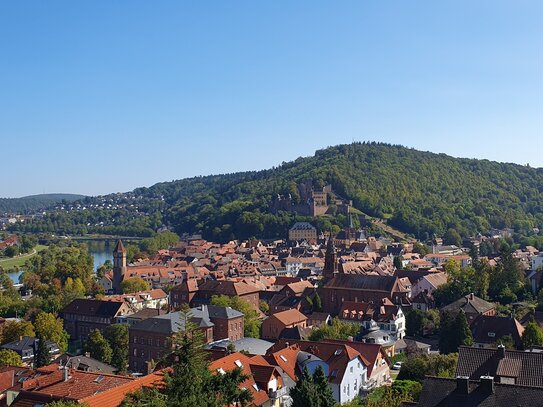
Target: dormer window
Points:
(491, 334)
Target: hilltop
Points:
(417, 192)
(34, 202)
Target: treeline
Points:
(34, 202)
(418, 192)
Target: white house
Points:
(429, 283)
(348, 383)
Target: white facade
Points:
(537, 262)
(354, 379)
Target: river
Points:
(99, 250)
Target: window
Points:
(491, 334)
(238, 363)
(283, 358)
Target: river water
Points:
(99, 250)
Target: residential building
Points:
(264, 380)
(27, 347)
(428, 283)
(482, 392)
(82, 316)
(302, 231)
(506, 366)
(276, 323)
(150, 339)
(194, 295)
(360, 288)
(156, 298)
(489, 330)
(387, 316)
(472, 306)
(345, 367)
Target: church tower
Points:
(119, 266)
(330, 259)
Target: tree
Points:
(452, 237)
(532, 335)
(417, 367)
(145, 397)
(98, 347)
(415, 323)
(324, 392)
(251, 318)
(317, 303)
(42, 357)
(66, 403)
(51, 328)
(134, 285)
(338, 330)
(508, 342)
(264, 307)
(10, 358)
(13, 330)
(305, 394)
(190, 383)
(117, 337)
(11, 251)
(454, 332)
(463, 332)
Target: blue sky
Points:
(105, 96)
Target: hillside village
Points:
(360, 307)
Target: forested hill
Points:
(418, 192)
(34, 202)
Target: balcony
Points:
(278, 393)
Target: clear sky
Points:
(105, 96)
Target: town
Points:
(377, 318)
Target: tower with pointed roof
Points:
(119, 266)
(330, 259)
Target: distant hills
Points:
(35, 202)
(417, 192)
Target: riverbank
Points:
(19, 261)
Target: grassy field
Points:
(19, 261)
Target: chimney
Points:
(65, 373)
(487, 384)
(462, 384)
(501, 351)
(471, 296)
(87, 354)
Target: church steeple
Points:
(119, 266)
(330, 259)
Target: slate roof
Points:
(170, 323)
(526, 367)
(443, 393)
(470, 303)
(82, 362)
(82, 306)
(363, 282)
(498, 327)
(221, 312)
(119, 247)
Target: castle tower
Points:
(119, 266)
(330, 259)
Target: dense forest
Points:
(34, 202)
(420, 193)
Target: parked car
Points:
(397, 366)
